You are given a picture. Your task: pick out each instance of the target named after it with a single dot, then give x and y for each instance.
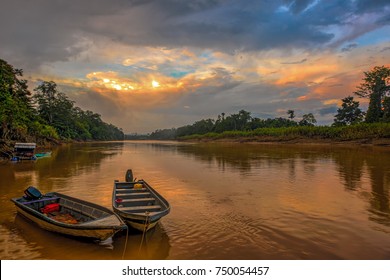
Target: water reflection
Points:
(354, 163)
(229, 201)
(351, 164)
(65, 162)
(71, 160)
(380, 181)
(246, 158)
(42, 244)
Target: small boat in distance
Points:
(24, 151)
(68, 215)
(43, 154)
(137, 203)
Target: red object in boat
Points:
(118, 200)
(53, 207)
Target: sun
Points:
(155, 84)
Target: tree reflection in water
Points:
(351, 164)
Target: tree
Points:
(47, 96)
(386, 109)
(349, 113)
(54, 116)
(291, 114)
(240, 121)
(308, 120)
(69, 121)
(56, 109)
(16, 112)
(376, 87)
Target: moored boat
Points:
(24, 151)
(138, 204)
(43, 154)
(68, 215)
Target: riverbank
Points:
(384, 142)
(360, 134)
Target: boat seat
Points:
(146, 199)
(140, 208)
(133, 194)
(130, 190)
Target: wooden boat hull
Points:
(140, 208)
(99, 228)
(138, 225)
(100, 234)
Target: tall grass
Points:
(340, 133)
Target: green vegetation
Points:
(362, 131)
(47, 115)
(376, 87)
(349, 113)
(350, 122)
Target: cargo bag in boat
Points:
(53, 207)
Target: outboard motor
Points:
(32, 193)
(129, 176)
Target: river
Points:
(228, 201)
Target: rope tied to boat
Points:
(124, 249)
(147, 223)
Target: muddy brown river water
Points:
(229, 201)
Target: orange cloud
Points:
(307, 74)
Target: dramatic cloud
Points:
(148, 64)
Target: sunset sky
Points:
(152, 64)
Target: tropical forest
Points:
(45, 115)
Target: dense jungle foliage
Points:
(45, 115)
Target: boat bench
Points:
(132, 190)
(139, 200)
(145, 201)
(141, 208)
(133, 195)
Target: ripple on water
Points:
(13, 247)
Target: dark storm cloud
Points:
(39, 30)
(364, 6)
(36, 32)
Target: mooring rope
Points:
(127, 236)
(147, 222)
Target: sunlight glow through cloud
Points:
(196, 59)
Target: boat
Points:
(43, 154)
(138, 204)
(24, 151)
(68, 215)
